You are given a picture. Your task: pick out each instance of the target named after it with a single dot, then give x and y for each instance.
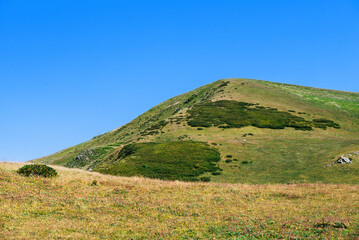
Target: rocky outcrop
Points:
(343, 160)
(85, 155)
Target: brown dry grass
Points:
(68, 207)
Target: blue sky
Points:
(70, 70)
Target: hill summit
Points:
(232, 130)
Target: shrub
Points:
(232, 114)
(37, 170)
(205, 179)
(228, 160)
(180, 160)
(216, 173)
(229, 156)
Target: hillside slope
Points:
(232, 130)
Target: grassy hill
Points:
(233, 131)
(71, 206)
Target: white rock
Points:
(343, 160)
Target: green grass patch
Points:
(184, 160)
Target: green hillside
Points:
(232, 130)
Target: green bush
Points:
(233, 114)
(180, 160)
(37, 170)
(228, 160)
(205, 179)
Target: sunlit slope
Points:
(264, 132)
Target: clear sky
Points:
(72, 69)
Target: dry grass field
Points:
(72, 206)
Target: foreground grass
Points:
(70, 207)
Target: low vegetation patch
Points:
(37, 170)
(233, 114)
(182, 160)
(154, 129)
(89, 157)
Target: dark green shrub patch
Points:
(331, 225)
(155, 128)
(182, 160)
(324, 123)
(153, 132)
(191, 98)
(183, 137)
(216, 173)
(229, 156)
(205, 179)
(37, 170)
(247, 134)
(233, 114)
(228, 160)
(223, 84)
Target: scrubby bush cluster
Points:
(233, 114)
(180, 160)
(37, 170)
(324, 123)
(154, 129)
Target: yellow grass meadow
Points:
(84, 205)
